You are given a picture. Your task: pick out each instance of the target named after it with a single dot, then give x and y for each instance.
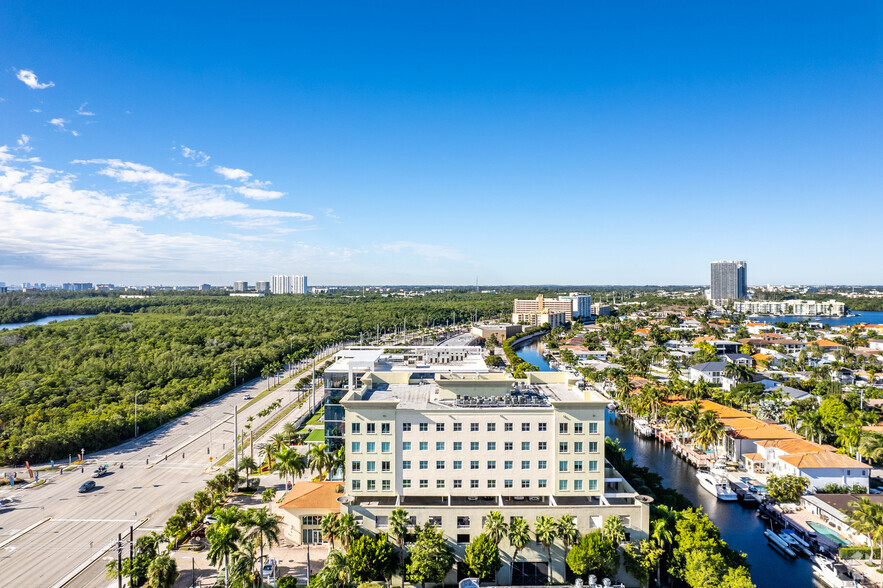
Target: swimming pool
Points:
(828, 533)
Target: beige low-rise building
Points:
(304, 506)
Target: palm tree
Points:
(278, 441)
(223, 538)
(289, 429)
(567, 532)
(872, 447)
(546, 531)
(661, 535)
(162, 572)
(519, 537)
(349, 529)
(336, 572)
(331, 527)
(867, 518)
(202, 502)
(217, 485)
(242, 572)
(811, 426)
(263, 528)
(248, 464)
(290, 463)
(709, 431)
(495, 527)
(320, 459)
(398, 529)
(175, 526)
(791, 416)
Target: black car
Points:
(86, 486)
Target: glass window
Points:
(370, 465)
(384, 466)
(406, 464)
(525, 465)
(577, 430)
(439, 484)
(541, 427)
(525, 427)
(356, 447)
(458, 465)
(370, 447)
(473, 427)
(577, 485)
(473, 483)
(491, 445)
(541, 483)
(578, 466)
(507, 483)
(525, 483)
(593, 484)
(372, 485)
(357, 485)
(406, 445)
(424, 483)
(439, 445)
(458, 427)
(355, 428)
(562, 428)
(562, 484)
(424, 445)
(384, 485)
(525, 446)
(542, 445)
(491, 427)
(541, 465)
(357, 466)
(406, 427)
(406, 483)
(492, 465)
(562, 447)
(593, 427)
(473, 465)
(458, 445)
(424, 465)
(491, 483)
(507, 427)
(384, 447)
(473, 445)
(593, 446)
(507, 465)
(369, 427)
(439, 427)
(384, 428)
(381, 521)
(423, 427)
(439, 465)
(578, 446)
(458, 483)
(562, 466)
(593, 466)
(507, 446)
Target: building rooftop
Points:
(313, 495)
(407, 359)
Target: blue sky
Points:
(516, 143)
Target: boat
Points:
(832, 573)
(796, 536)
(744, 493)
(795, 543)
(779, 543)
(716, 485)
(612, 406)
(719, 468)
(643, 428)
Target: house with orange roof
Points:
(641, 332)
(817, 463)
(304, 506)
(758, 328)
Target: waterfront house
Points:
(818, 464)
(711, 372)
(835, 509)
(738, 359)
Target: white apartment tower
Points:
(281, 284)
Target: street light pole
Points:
(234, 370)
(136, 412)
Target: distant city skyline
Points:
(427, 145)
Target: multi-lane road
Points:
(52, 536)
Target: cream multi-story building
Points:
(453, 447)
(535, 319)
(791, 307)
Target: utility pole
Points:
(131, 551)
(236, 438)
(313, 387)
(120, 560)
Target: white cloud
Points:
(37, 110)
(82, 112)
(24, 143)
(59, 122)
(259, 194)
(230, 173)
(198, 157)
(30, 80)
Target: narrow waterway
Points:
(739, 525)
(44, 321)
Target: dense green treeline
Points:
(72, 384)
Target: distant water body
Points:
(872, 317)
(44, 321)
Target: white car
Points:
(247, 397)
(210, 520)
(269, 570)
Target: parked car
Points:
(269, 570)
(210, 520)
(86, 486)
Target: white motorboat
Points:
(795, 544)
(643, 428)
(832, 573)
(716, 485)
(779, 543)
(719, 468)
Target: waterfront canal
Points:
(739, 525)
(44, 321)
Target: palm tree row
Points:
(235, 537)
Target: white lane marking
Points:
(96, 520)
(23, 531)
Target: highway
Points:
(50, 534)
